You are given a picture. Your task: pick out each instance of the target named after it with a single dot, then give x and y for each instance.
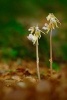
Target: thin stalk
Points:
(37, 60)
(51, 52)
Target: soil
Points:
(19, 81)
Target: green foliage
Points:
(64, 51)
(11, 26)
(43, 47)
(11, 33)
(8, 53)
(13, 41)
(55, 66)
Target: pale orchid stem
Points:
(37, 60)
(51, 52)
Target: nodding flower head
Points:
(53, 21)
(35, 34)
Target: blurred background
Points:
(16, 16)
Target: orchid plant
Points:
(34, 36)
(53, 23)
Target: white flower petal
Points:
(45, 28)
(48, 17)
(37, 28)
(32, 38)
(46, 24)
(53, 20)
(31, 29)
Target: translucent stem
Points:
(51, 52)
(37, 60)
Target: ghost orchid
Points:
(34, 36)
(53, 23)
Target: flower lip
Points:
(32, 38)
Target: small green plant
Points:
(49, 27)
(34, 36)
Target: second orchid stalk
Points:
(51, 52)
(49, 27)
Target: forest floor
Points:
(19, 81)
